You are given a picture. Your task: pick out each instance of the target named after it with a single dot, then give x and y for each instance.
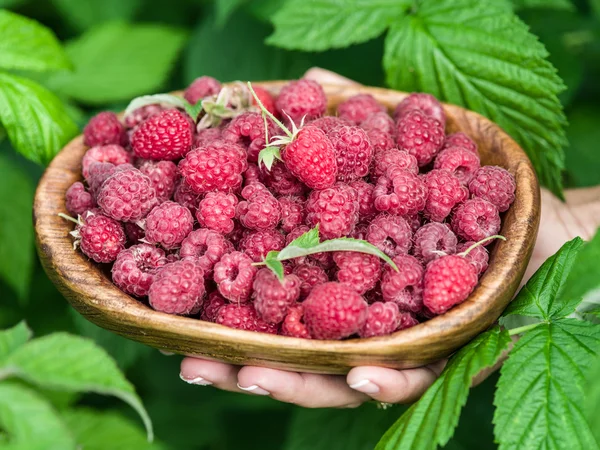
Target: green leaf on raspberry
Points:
(194, 110)
(307, 240)
(13, 338)
(268, 155)
(156, 99)
(274, 264)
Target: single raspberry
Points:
(420, 135)
(494, 184)
(403, 193)
(390, 234)
(380, 121)
(433, 240)
(273, 297)
(444, 192)
(292, 212)
(310, 275)
(359, 271)
(280, 180)
(234, 275)
(206, 246)
(387, 159)
(475, 220)
(462, 140)
(447, 282)
(425, 103)
(366, 208)
(127, 196)
(252, 174)
(353, 152)
(261, 210)
(407, 320)
(358, 107)
(111, 153)
(243, 317)
(329, 123)
(380, 140)
(133, 232)
(461, 162)
(293, 325)
(246, 128)
(311, 158)
(265, 98)
(216, 211)
(253, 189)
(206, 136)
(257, 244)
(134, 269)
(102, 129)
(405, 287)
(334, 209)
(163, 175)
(201, 88)
(212, 305)
(78, 200)
(302, 99)
(98, 173)
(139, 115)
(382, 319)
(334, 311)
(178, 288)
(168, 224)
(167, 135)
(186, 196)
(478, 256)
(99, 237)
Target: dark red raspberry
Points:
(387, 159)
(178, 288)
(380, 121)
(111, 153)
(292, 212)
(390, 234)
(167, 135)
(99, 237)
(425, 103)
(353, 152)
(137, 116)
(380, 140)
(382, 319)
(261, 211)
(133, 271)
(366, 206)
(127, 196)
(494, 184)
(334, 209)
(360, 271)
(433, 240)
(246, 128)
(273, 297)
(334, 311)
(206, 246)
(216, 211)
(420, 135)
(201, 88)
(329, 123)
(78, 200)
(462, 140)
(243, 317)
(447, 282)
(358, 107)
(234, 275)
(405, 287)
(310, 275)
(475, 220)
(133, 232)
(407, 320)
(168, 224)
(212, 305)
(104, 128)
(293, 325)
(280, 180)
(301, 99)
(444, 192)
(256, 245)
(206, 136)
(478, 256)
(265, 98)
(461, 162)
(403, 193)
(163, 175)
(186, 196)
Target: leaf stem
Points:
(265, 111)
(523, 329)
(483, 241)
(64, 216)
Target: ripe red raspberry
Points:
(265, 98)
(168, 224)
(433, 239)
(98, 173)
(133, 271)
(99, 237)
(212, 305)
(302, 99)
(353, 152)
(206, 136)
(358, 107)
(387, 159)
(329, 123)
(246, 128)
(234, 275)
(405, 287)
(280, 180)
(178, 288)
(407, 320)
(206, 246)
(216, 211)
(127, 195)
(334, 209)
(104, 128)
(461, 162)
(167, 135)
(292, 212)
(366, 208)
(462, 140)
(382, 319)
(420, 135)
(310, 275)
(111, 153)
(243, 317)
(359, 271)
(253, 189)
(218, 166)
(137, 116)
(475, 220)
(133, 232)
(403, 193)
(201, 88)
(163, 175)
(444, 191)
(78, 200)
(273, 297)
(186, 196)
(494, 184)
(425, 103)
(257, 244)
(311, 158)
(478, 256)
(334, 311)
(293, 325)
(380, 140)
(447, 282)
(261, 211)
(390, 234)
(380, 121)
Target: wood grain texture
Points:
(91, 292)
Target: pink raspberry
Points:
(292, 212)
(444, 192)
(302, 99)
(329, 123)
(420, 135)
(494, 184)
(405, 287)
(359, 271)
(447, 282)
(133, 232)
(257, 244)
(390, 234)
(167, 135)
(353, 152)
(212, 305)
(310, 275)
(433, 239)
(139, 115)
(387, 159)
(168, 224)
(163, 175)
(334, 209)
(201, 88)
(280, 180)
(402, 193)
(261, 211)
(206, 246)
(265, 98)
(293, 325)
(358, 107)
(78, 200)
(186, 196)
(246, 128)
(216, 211)
(475, 220)
(380, 140)
(99, 237)
(112, 153)
(425, 103)
(99, 173)
(273, 297)
(462, 140)
(133, 271)
(366, 206)
(102, 129)
(234, 275)
(334, 311)
(127, 196)
(243, 317)
(252, 189)
(252, 174)
(178, 288)
(478, 256)
(380, 121)
(206, 136)
(382, 319)
(461, 162)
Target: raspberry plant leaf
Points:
(12, 339)
(308, 239)
(431, 421)
(592, 403)
(275, 265)
(268, 155)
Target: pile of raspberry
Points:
(185, 214)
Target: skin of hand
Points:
(578, 216)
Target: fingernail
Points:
(254, 389)
(365, 386)
(166, 353)
(198, 381)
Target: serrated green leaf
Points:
(540, 297)
(268, 155)
(478, 54)
(541, 391)
(592, 400)
(35, 119)
(307, 240)
(544, 4)
(28, 45)
(13, 338)
(145, 100)
(84, 15)
(274, 264)
(431, 421)
(225, 8)
(193, 110)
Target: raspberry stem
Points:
(271, 116)
(64, 216)
(477, 244)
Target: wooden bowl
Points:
(91, 292)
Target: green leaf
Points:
(274, 264)
(225, 8)
(307, 240)
(135, 59)
(431, 421)
(583, 157)
(540, 297)
(35, 120)
(268, 155)
(14, 3)
(84, 15)
(478, 54)
(541, 391)
(592, 400)
(317, 25)
(28, 45)
(193, 110)
(544, 4)
(145, 100)
(13, 338)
